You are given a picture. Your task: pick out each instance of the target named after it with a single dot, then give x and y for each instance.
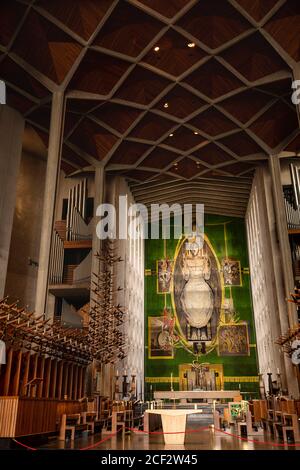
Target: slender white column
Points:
(296, 73)
(52, 173)
(11, 134)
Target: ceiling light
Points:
(191, 44)
(171, 135)
(196, 133)
(156, 49)
(166, 105)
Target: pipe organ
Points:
(76, 211)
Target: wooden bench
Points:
(288, 424)
(71, 423)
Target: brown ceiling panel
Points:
(214, 23)
(67, 167)
(187, 168)
(294, 145)
(14, 74)
(128, 153)
(93, 139)
(241, 144)
(13, 16)
(180, 103)
(276, 124)
(174, 55)
(159, 158)
(212, 155)
(17, 101)
(213, 80)
(152, 127)
(82, 17)
(82, 106)
(238, 168)
(212, 122)
(166, 8)
(131, 36)
(278, 88)
(254, 58)
(183, 139)
(71, 119)
(142, 86)
(98, 73)
(41, 116)
(284, 27)
(139, 175)
(117, 116)
(257, 8)
(246, 104)
(46, 47)
(73, 157)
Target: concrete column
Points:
(11, 134)
(287, 310)
(283, 237)
(51, 183)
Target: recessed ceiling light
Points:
(166, 105)
(171, 135)
(156, 49)
(191, 44)
(196, 133)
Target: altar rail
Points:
(22, 416)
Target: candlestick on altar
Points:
(172, 382)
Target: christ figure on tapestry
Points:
(197, 297)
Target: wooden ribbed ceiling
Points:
(176, 121)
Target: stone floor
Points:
(202, 440)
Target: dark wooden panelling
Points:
(17, 101)
(270, 129)
(12, 18)
(13, 73)
(212, 154)
(245, 105)
(212, 122)
(128, 153)
(82, 17)
(181, 103)
(257, 8)
(142, 86)
(237, 168)
(93, 139)
(213, 80)
(214, 23)
(174, 55)
(117, 116)
(159, 158)
(131, 36)
(89, 77)
(183, 139)
(254, 58)
(139, 175)
(56, 51)
(167, 9)
(284, 26)
(152, 127)
(187, 168)
(294, 145)
(241, 144)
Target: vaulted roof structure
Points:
(184, 98)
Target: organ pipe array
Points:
(76, 210)
(106, 320)
(56, 260)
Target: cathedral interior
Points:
(150, 224)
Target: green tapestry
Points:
(198, 310)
